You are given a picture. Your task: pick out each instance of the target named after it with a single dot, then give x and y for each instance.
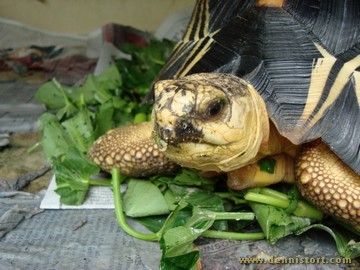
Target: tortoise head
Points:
(209, 121)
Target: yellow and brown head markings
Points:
(132, 150)
(209, 121)
(327, 182)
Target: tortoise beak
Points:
(164, 135)
(182, 132)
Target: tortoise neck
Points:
(276, 143)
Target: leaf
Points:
(178, 241)
(170, 199)
(73, 173)
(96, 88)
(64, 150)
(80, 129)
(143, 198)
(206, 200)
(153, 223)
(181, 262)
(69, 196)
(110, 79)
(55, 140)
(103, 118)
(50, 95)
(190, 177)
(294, 197)
(67, 111)
(85, 112)
(201, 219)
(276, 223)
(200, 198)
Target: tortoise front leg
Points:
(132, 150)
(328, 183)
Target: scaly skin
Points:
(327, 182)
(132, 150)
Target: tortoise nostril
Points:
(166, 133)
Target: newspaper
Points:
(98, 197)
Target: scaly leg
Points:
(328, 183)
(132, 150)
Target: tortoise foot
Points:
(328, 183)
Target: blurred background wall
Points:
(84, 16)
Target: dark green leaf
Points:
(103, 118)
(153, 223)
(294, 197)
(267, 164)
(181, 262)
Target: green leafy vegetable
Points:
(195, 213)
(81, 130)
(143, 198)
(73, 177)
(67, 155)
(83, 113)
(181, 262)
(51, 94)
(55, 140)
(276, 223)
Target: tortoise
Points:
(257, 78)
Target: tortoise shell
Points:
(302, 56)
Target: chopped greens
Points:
(198, 210)
(78, 115)
(179, 208)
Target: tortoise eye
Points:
(214, 108)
